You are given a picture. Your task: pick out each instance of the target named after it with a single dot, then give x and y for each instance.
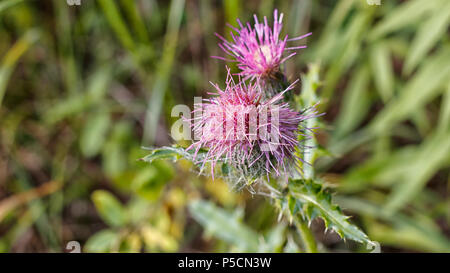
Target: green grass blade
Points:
(347, 51)
(444, 117)
(164, 71)
(430, 32)
(117, 23)
(380, 61)
(406, 14)
(432, 155)
(423, 87)
(10, 59)
(405, 231)
(9, 3)
(355, 103)
(232, 9)
(64, 30)
(132, 12)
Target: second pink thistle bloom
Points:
(259, 51)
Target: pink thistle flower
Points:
(259, 51)
(257, 137)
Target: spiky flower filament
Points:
(259, 51)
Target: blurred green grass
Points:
(82, 88)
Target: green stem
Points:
(308, 172)
(307, 236)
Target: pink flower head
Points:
(241, 129)
(259, 50)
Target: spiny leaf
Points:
(173, 153)
(167, 153)
(312, 200)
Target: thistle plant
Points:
(255, 136)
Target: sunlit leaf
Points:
(103, 241)
(224, 225)
(93, 135)
(149, 182)
(109, 208)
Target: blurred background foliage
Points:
(83, 88)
